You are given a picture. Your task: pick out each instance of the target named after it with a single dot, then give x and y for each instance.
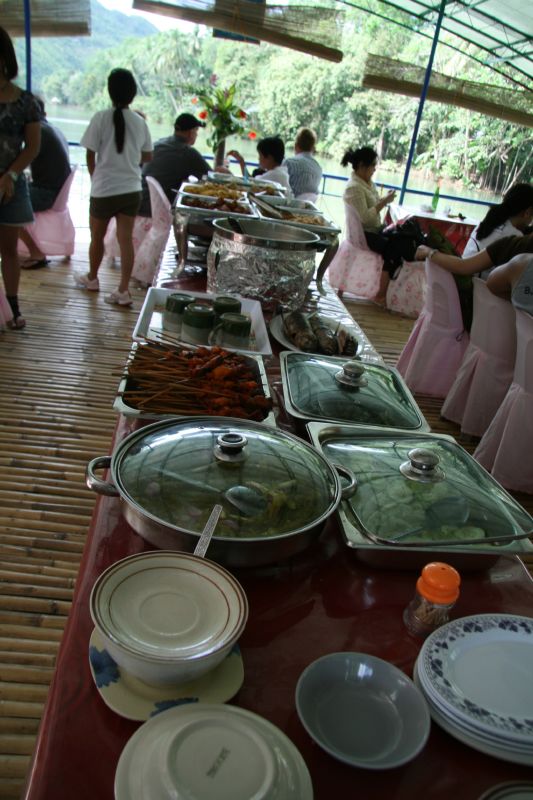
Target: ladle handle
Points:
(205, 538)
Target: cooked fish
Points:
(299, 332)
(327, 341)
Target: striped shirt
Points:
(305, 174)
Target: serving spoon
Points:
(249, 502)
(207, 533)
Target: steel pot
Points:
(170, 474)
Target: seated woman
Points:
(511, 217)
(271, 152)
(362, 194)
(497, 253)
(305, 173)
(514, 281)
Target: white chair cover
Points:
(149, 254)
(53, 231)
(507, 445)
(307, 196)
(433, 352)
(5, 311)
(355, 268)
(487, 368)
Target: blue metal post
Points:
(27, 35)
(425, 87)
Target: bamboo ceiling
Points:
(389, 75)
(48, 17)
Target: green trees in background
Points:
(283, 89)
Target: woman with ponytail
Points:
(362, 195)
(117, 142)
(511, 217)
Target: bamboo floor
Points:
(59, 378)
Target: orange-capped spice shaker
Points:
(437, 590)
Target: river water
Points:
(73, 122)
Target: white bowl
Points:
(168, 617)
(362, 710)
(211, 752)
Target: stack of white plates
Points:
(476, 674)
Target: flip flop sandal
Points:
(16, 324)
(35, 263)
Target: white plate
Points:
(457, 733)
(150, 322)
(168, 605)
(365, 352)
(131, 698)
(212, 752)
(479, 668)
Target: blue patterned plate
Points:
(479, 670)
(133, 699)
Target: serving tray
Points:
(150, 321)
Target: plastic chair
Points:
(355, 268)
(435, 348)
(506, 447)
(486, 371)
(150, 252)
(53, 231)
(406, 294)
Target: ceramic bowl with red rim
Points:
(168, 617)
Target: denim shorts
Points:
(17, 211)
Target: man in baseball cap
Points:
(174, 160)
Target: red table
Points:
(457, 231)
(322, 601)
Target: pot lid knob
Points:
(423, 466)
(230, 447)
(351, 375)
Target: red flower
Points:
(194, 100)
(252, 135)
(203, 114)
(242, 114)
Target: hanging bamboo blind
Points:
(389, 75)
(48, 17)
(304, 25)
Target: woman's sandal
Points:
(16, 324)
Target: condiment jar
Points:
(225, 303)
(198, 321)
(437, 589)
(175, 305)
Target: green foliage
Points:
(283, 89)
(222, 114)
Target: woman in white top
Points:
(514, 281)
(117, 142)
(511, 217)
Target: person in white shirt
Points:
(305, 173)
(271, 152)
(511, 217)
(514, 281)
(118, 142)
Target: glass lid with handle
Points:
(421, 491)
(330, 389)
(269, 482)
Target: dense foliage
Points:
(282, 89)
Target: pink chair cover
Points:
(53, 231)
(487, 368)
(355, 268)
(407, 293)
(5, 311)
(141, 226)
(151, 249)
(433, 352)
(507, 446)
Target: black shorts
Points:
(107, 207)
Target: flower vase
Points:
(220, 153)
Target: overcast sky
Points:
(161, 22)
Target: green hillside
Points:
(70, 54)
